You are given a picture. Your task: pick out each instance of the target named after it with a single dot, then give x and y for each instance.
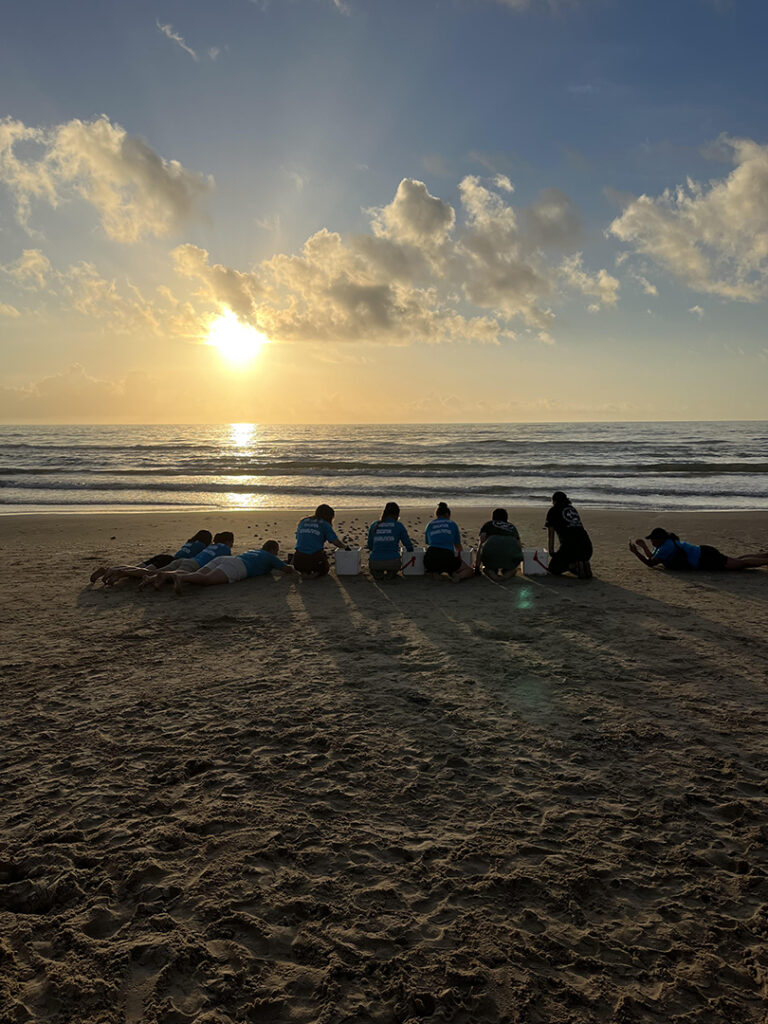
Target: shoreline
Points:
(341, 510)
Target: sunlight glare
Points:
(237, 342)
(242, 434)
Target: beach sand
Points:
(542, 801)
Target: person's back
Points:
(311, 535)
(190, 549)
(674, 553)
(261, 561)
(443, 533)
(221, 546)
(385, 537)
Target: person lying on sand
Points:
(311, 534)
(443, 555)
(672, 553)
(575, 549)
(230, 568)
(221, 547)
(500, 552)
(109, 575)
(384, 540)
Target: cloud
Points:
(10, 311)
(600, 285)
(414, 216)
(74, 391)
(168, 32)
(135, 191)
(421, 274)
(31, 270)
(713, 237)
(697, 311)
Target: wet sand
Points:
(337, 800)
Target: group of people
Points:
(206, 560)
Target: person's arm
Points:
(287, 569)
(330, 536)
(645, 555)
(407, 542)
(479, 553)
(550, 540)
(457, 539)
(371, 535)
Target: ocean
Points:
(661, 466)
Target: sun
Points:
(237, 342)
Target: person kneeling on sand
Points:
(222, 545)
(384, 540)
(575, 549)
(109, 575)
(231, 568)
(500, 552)
(673, 553)
(443, 555)
(312, 532)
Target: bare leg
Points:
(464, 573)
(747, 562)
(201, 578)
(121, 572)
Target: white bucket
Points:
(413, 562)
(535, 561)
(347, 562)
(468, 555)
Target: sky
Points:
(339, 211)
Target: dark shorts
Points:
(711, 559)
(158, 562)
(441, 560)
(501, 553)
(316, 562)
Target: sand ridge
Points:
(540, 801)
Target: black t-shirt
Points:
(498, 528)
(566, 522)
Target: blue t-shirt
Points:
(384, 539)
(190, 549)
(212, 551)
(311, 535)
(443, 533)
(261, 562)
(666, 552)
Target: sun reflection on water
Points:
(242, 435)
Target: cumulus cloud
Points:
(169, 33)
(135, 191)
(10, 311)
(414, 216)
(712, 237)
(420, 274)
